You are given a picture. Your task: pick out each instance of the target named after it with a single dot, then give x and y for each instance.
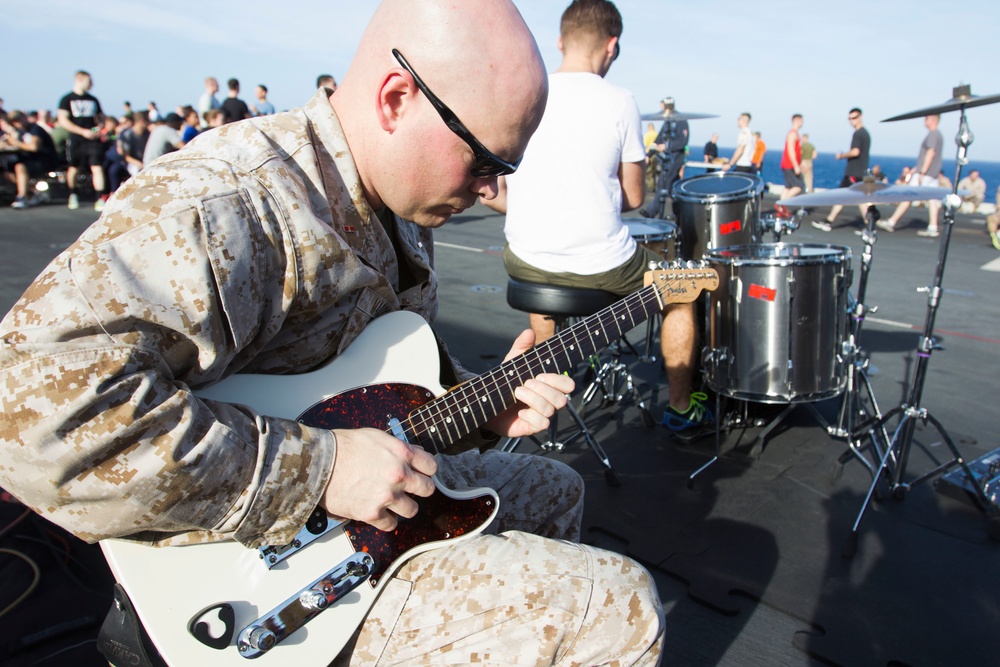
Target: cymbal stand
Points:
(858, 386)
(896, 455)
(666, 159)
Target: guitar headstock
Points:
(682, 283)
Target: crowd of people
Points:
(84, 139)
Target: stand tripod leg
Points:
(852, 408)
(758, 443)
(718, 441)
(852, 539)
(609, 473)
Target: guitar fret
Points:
(468, 406)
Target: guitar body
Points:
(392, 368)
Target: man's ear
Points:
(394, 94)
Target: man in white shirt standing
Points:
(583, 167)
(746, 143)
(208, 100)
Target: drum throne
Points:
(563, 304)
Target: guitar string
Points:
(423, 420)
(432, 413)
(489, 379)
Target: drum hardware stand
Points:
(552, 443)
(781, 222)
(653, 325)
(735, 418)
(894, 460)
(851, 406)
(613, 380)
(666, 159)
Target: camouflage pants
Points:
(515, 598)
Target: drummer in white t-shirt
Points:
(583, 167)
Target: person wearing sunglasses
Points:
(267, 246)
(583, 167)
(854, 170)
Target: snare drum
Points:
(717, 210)
(660, 236)
(778, 321)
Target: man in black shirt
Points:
(78, 115)
(857, 165)
(712, 150)
(234, 109)
(671, 143)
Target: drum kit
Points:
(783, 327)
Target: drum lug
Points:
(736, 288)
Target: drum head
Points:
(718, 187)
(780, 253)
(651, 228)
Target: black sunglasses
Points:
(486, 164)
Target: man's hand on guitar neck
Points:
(538, 399)
(373, 477)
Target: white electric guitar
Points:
(219, 603)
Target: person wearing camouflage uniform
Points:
(256, 248)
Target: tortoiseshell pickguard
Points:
(439, 517)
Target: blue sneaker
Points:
(697, 415)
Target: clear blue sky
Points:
(772, 58)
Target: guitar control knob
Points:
(314, 600)
(262, 639)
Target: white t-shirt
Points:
(564, 202)
(749, 142)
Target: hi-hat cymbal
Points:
(867, 192)
(676, 115)
(962, 97)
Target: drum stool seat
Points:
(562, 303)
(556, 301)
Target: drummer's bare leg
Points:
(677, 345)
(543, 326)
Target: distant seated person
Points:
(879, 175)
(130, 147)
(977, 191)
(904, 176)
(214, 118)
(35, 156)
(993, 224)
(164, 138)
(326, 81)
(192, 124)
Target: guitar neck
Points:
(455, 414)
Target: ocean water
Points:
(828, 171)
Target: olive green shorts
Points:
(623, 279)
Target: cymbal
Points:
(867, 192)
(962, 97)
(676, 115)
